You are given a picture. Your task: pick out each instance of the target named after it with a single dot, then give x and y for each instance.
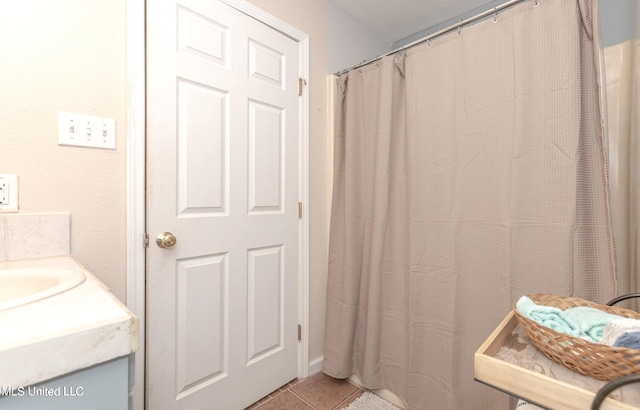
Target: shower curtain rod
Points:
(452, 27)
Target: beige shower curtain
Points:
(467, 172)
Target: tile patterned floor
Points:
(318, 392)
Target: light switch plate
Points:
(86, 131)
(8, 193)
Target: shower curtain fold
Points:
(470, 171)
(368, 235)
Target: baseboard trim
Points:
(315, 365)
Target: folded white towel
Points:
(616, 328)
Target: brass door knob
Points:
(166, 240)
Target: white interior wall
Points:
(349, 41)
(67, 55)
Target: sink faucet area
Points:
(22, 286)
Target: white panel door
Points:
(223, 178)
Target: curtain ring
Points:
(459, 30)
(429, 43)
(536, 3)
(495, 16)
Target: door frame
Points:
(136, 183)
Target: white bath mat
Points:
(370, 401)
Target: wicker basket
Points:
(590, 359)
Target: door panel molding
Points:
(136, 183)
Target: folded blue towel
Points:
(548, 316)
(591, 321)
(630, 340)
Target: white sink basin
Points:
(22, 286)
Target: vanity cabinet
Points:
(101, 387)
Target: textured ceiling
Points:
(396, 19)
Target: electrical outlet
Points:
(86, 131)
(8, 193)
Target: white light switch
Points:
(8, 193)
(86, 131)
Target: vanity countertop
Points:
(78, 328)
